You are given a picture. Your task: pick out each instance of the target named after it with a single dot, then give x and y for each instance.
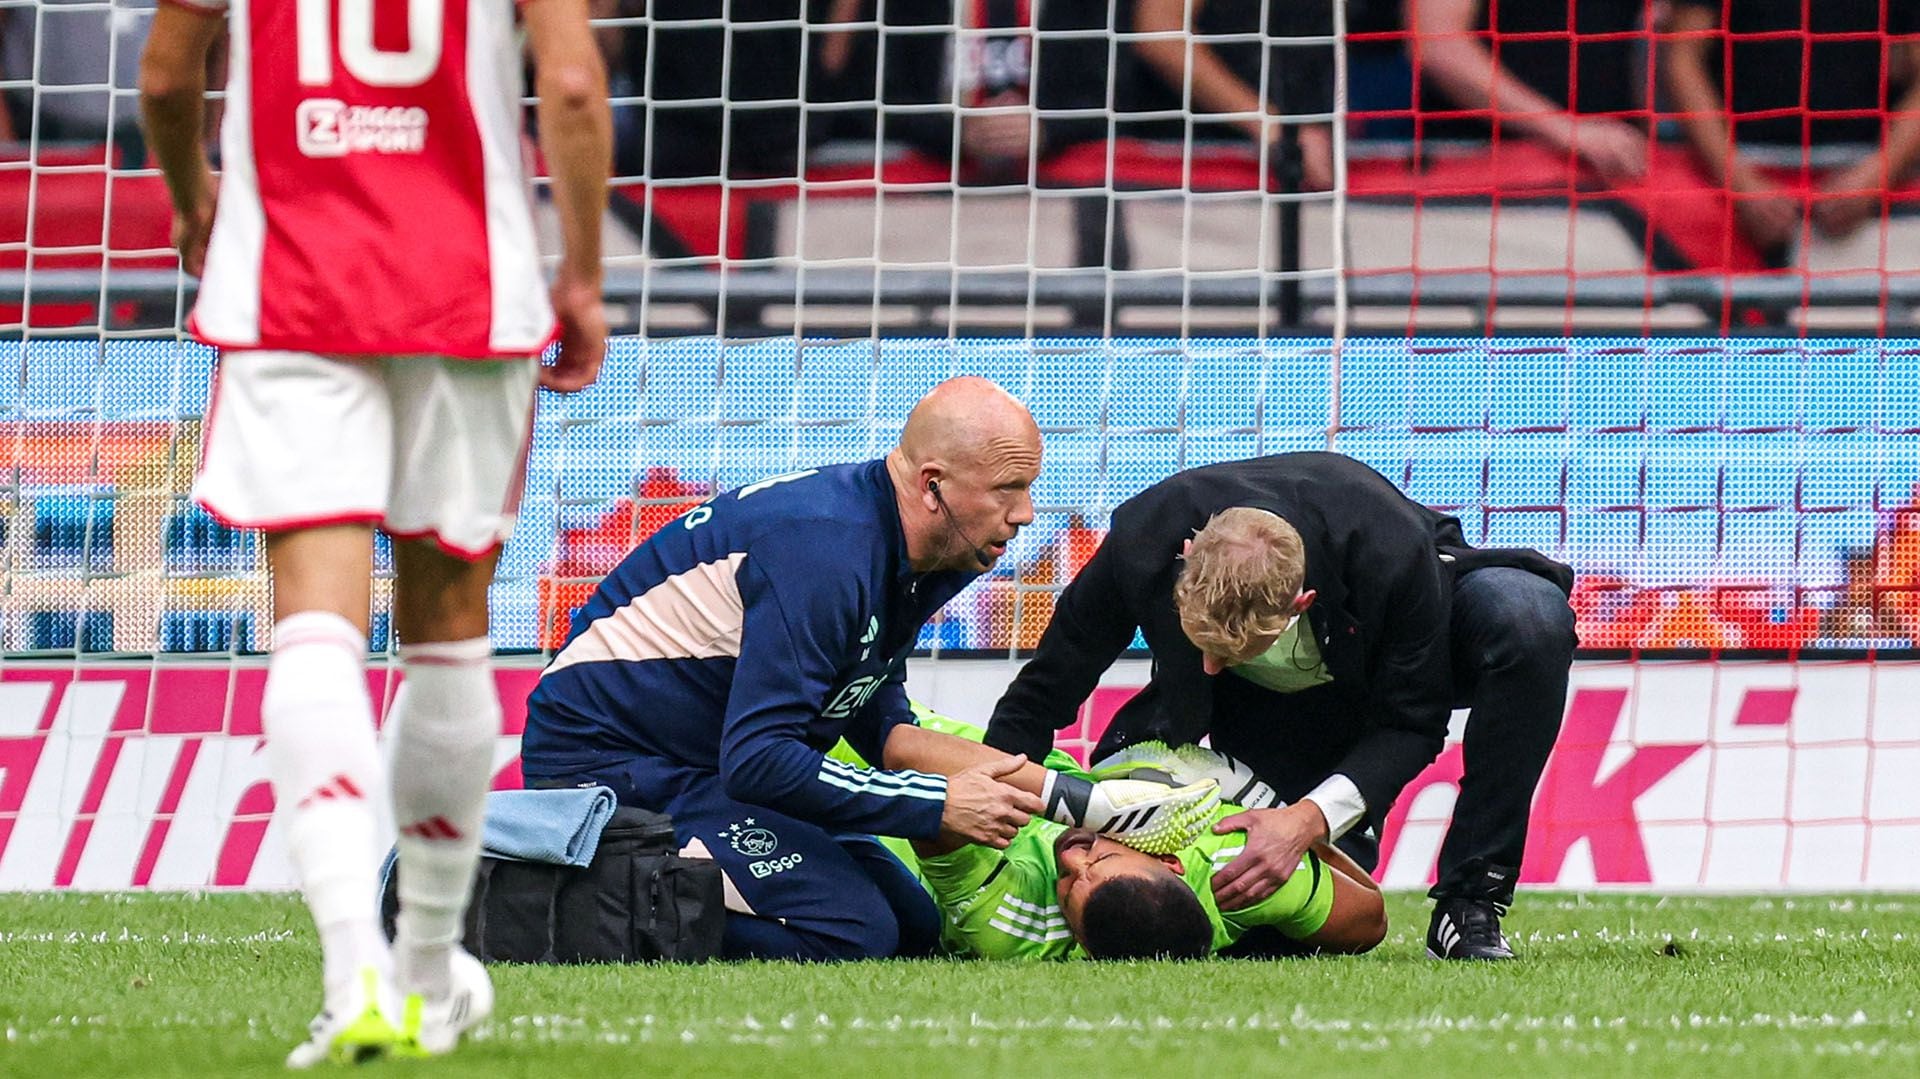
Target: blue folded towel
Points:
(560, 826)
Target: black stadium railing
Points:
(762, 300)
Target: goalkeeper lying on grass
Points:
(1059, 893)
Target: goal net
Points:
(1502, 262)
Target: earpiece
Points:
(984, 556)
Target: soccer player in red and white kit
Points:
(370, 271)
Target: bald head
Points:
(967, 457)
(965, 419)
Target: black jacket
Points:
(1382, 564)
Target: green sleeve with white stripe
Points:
(1057, 760)
(995, 904)
(1297, 909)
(1002, 904)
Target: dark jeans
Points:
(1512, 645)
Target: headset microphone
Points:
(985, 556)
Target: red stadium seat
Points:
(66, 192)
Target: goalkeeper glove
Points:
(1143, 814)
(1190, 764)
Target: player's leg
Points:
(1513, 642)
(296, 445)
(460, 446)
(317, 719)
(445, 721)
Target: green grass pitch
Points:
(1609, 985)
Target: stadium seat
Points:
(83, 215)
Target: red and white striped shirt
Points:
(373, 198)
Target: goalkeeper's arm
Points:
(1151, 816)
(1358, 920)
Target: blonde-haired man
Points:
(1241, 586)
(1320, 626)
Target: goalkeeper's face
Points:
(1088, 861)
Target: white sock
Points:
(444, 725)
(318, 722)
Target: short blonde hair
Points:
(1240, 579)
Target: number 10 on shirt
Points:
(363, 59)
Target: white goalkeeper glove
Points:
(1146, 815)
(1190, 764)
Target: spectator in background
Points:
(1227, 77)
(1574, 96)
(1807, 89)
(87, 72)
(678, 59)
(984, 56)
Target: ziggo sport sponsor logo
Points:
(326, 127)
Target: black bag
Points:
(638, 901)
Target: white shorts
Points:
(422, 446)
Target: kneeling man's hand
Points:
(981, 808)
(1276, 838)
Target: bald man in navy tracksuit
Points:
(712, 669)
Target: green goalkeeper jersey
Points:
(1006, 904)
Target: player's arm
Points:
(576, 137)
(973, 885)
(909, 746)
(887, 725)
(1358, 920)
(173, 89)
(1149, 815)
(1327, 902)
(1091, 626)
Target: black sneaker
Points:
(1467, 929)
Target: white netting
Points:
(859, 200)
